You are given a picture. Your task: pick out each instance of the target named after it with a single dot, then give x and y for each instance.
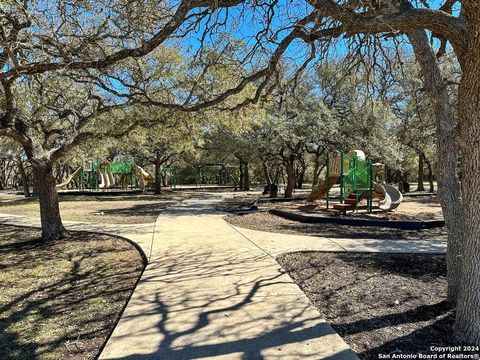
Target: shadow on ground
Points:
(216, 317)
(143, 210)
(61, 299)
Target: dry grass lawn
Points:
(120, 209)
(61, 299)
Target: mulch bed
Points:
(62, 299)
(265, 221)
(378, 303)
(420, 208)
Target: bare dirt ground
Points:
(118, 209)
(378, 303)
(61, 299)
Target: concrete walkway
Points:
(276, 244)
(208, 292)
(212, 290)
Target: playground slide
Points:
(106, 180)
(111, 179)
(103, 181)
(143, 178)
(333, 171)
(390, 197)
(319, 191)
(72, 177)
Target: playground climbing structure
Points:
(101, 175)
(359, 179)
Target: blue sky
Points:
(244, 24)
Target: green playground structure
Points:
(359, 179)
(97, 175)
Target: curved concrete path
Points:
(276, 244)
(210, 293)
(212, 290)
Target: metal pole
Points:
(341, 179)
(328, 182)
(355, 159)
(371, 186)
(96, 177)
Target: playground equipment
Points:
(106, 176)
(359, 180)
(95, 175)
(72, 177)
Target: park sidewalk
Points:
(208, 292)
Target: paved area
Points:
(208, 292)
(212, 290)
(276, 244)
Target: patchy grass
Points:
(62, 299)
(124, 209)
(378, 303)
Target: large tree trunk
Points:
(241, 182)
(316, 170)
(246, 183)
(44, 184)
(268, 179)
(3, 176)
(291, 178)
(23, 176)
(300, 170)
(301, 178)
(467, 325)
(448, 190)
(420, 186)
(430, 176)
(158, 173)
